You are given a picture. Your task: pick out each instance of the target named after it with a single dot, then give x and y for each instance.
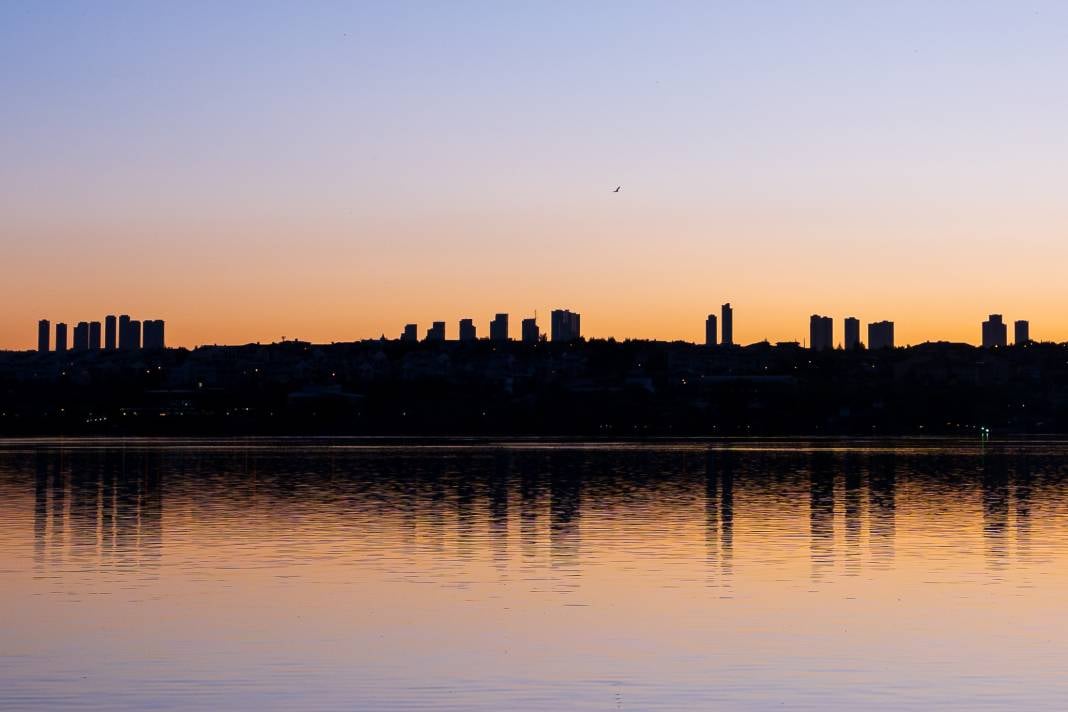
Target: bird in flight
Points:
(617, 189)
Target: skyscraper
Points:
(135, 335)
(467, 330)
(109, 332)
(881, 335)
(820, 333)
(44, 335)
(530, 333)
(1022, 331)
(125, 340)
(852, 333)
(61, 337)
(727, 324)
(81, 336)
(710, 330)
(436, 332)
(154, 334)
(499, 328)
(995, 332)
(94, 336)
(564, 325)
(410, 333)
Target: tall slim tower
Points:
(1022, 331)
(81, 336)
(710, 330)
(995, 332)
(94, 336)
(727, 324)
(135, 335)
(61, 337)
(109, 332)
(530, 332)
(852, 333)
(125, 342)
(820, 333)
(499, 328)
(44, 335)
(467, 330)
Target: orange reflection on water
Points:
(530, 576)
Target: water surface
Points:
(460, 575)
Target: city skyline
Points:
(219, 188)
(564, 325)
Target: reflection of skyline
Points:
(853, 505)
(882, 504)
(104, 508)
(565, 507)
(719, 512)
(821, 513)
(995, 484)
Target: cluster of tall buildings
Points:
(565, 325)
(121, 333)
(821, 333)
(712, 326)
(881, 333)
(995, 332)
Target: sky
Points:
(331, 171)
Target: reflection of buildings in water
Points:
(40, 509)
(995, 510)
(719, 510)
(853, 504)
(59, 508)
(530, 488)
(498, 508)
(1023, 492)
(882, 496)
(821, 513)
(85, 504)
(424, 500)
(107, 507)
(565, 504)
(464, 504)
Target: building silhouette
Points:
(498, 330)
(727, 324)
(410, 333)
(94, 336)
(135, 334)
(852, 333)
(820, 333)
(154, 338)
(436, 332)
(44, 335)
(1022, 331)
(995, 332)
(881, 335)
(109, 332)
(564, 325)
(530, 333)
(61, 337)
(710, 330)
(81, 336)
(467, 330)
(125, 342)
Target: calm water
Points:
(460, 576)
